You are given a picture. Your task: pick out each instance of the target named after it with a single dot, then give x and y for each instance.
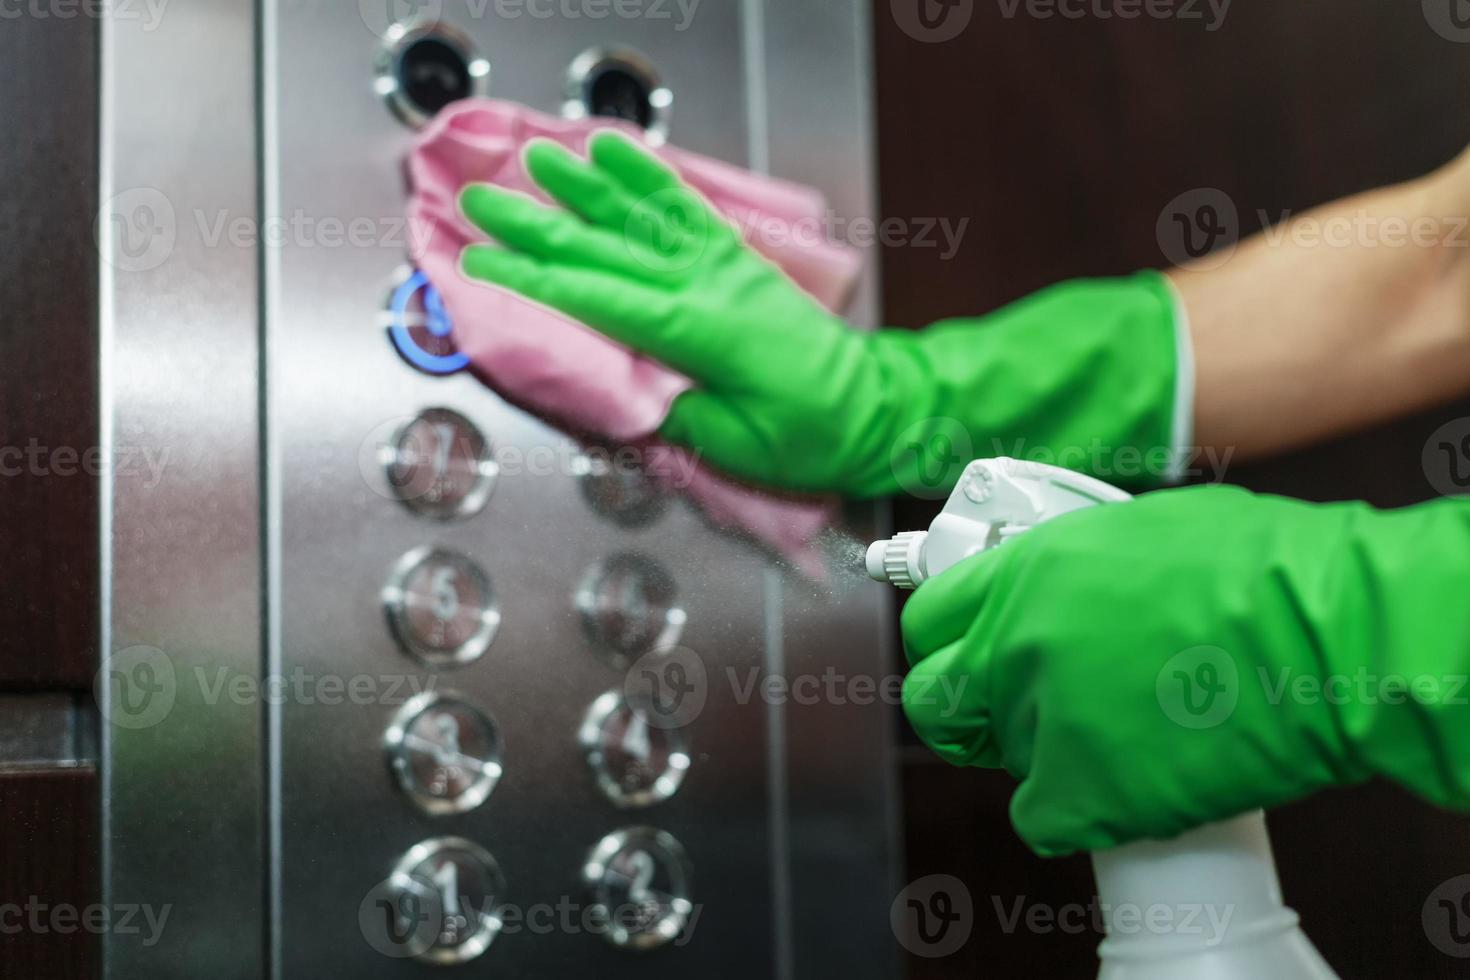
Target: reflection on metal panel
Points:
(182, 741)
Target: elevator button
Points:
(635, 763)
(425, 66)
(444, 752)
(639, 879)
(469, 890)
(440, 465)
(619, 84)
(629, 607)
(441, 607)
(618, 489)
(418, 325)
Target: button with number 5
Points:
(441, 607)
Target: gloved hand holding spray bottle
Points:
(1226, 867)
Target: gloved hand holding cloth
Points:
(788, 395)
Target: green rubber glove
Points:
(787, 394)
(1148, 667)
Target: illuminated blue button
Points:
(417, 317)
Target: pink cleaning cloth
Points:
(568, 372)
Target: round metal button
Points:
(640, 881)
(636, 764)
(440, 465)
(619, 490)
(469, 889)
(424, 66)
(444, 752)
(619, 84)
(418, 325)
(441, 607)
(629, 607)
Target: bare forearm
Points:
(1350, 314)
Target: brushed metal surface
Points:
(815, 95)
(332, 153)
(180, 590)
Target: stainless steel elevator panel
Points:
(783, 815)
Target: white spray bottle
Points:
(1204, 906)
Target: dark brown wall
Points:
(48, 499)
(1063, 141)
(48, 875)
(48, 366)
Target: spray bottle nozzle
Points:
(899, 560)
